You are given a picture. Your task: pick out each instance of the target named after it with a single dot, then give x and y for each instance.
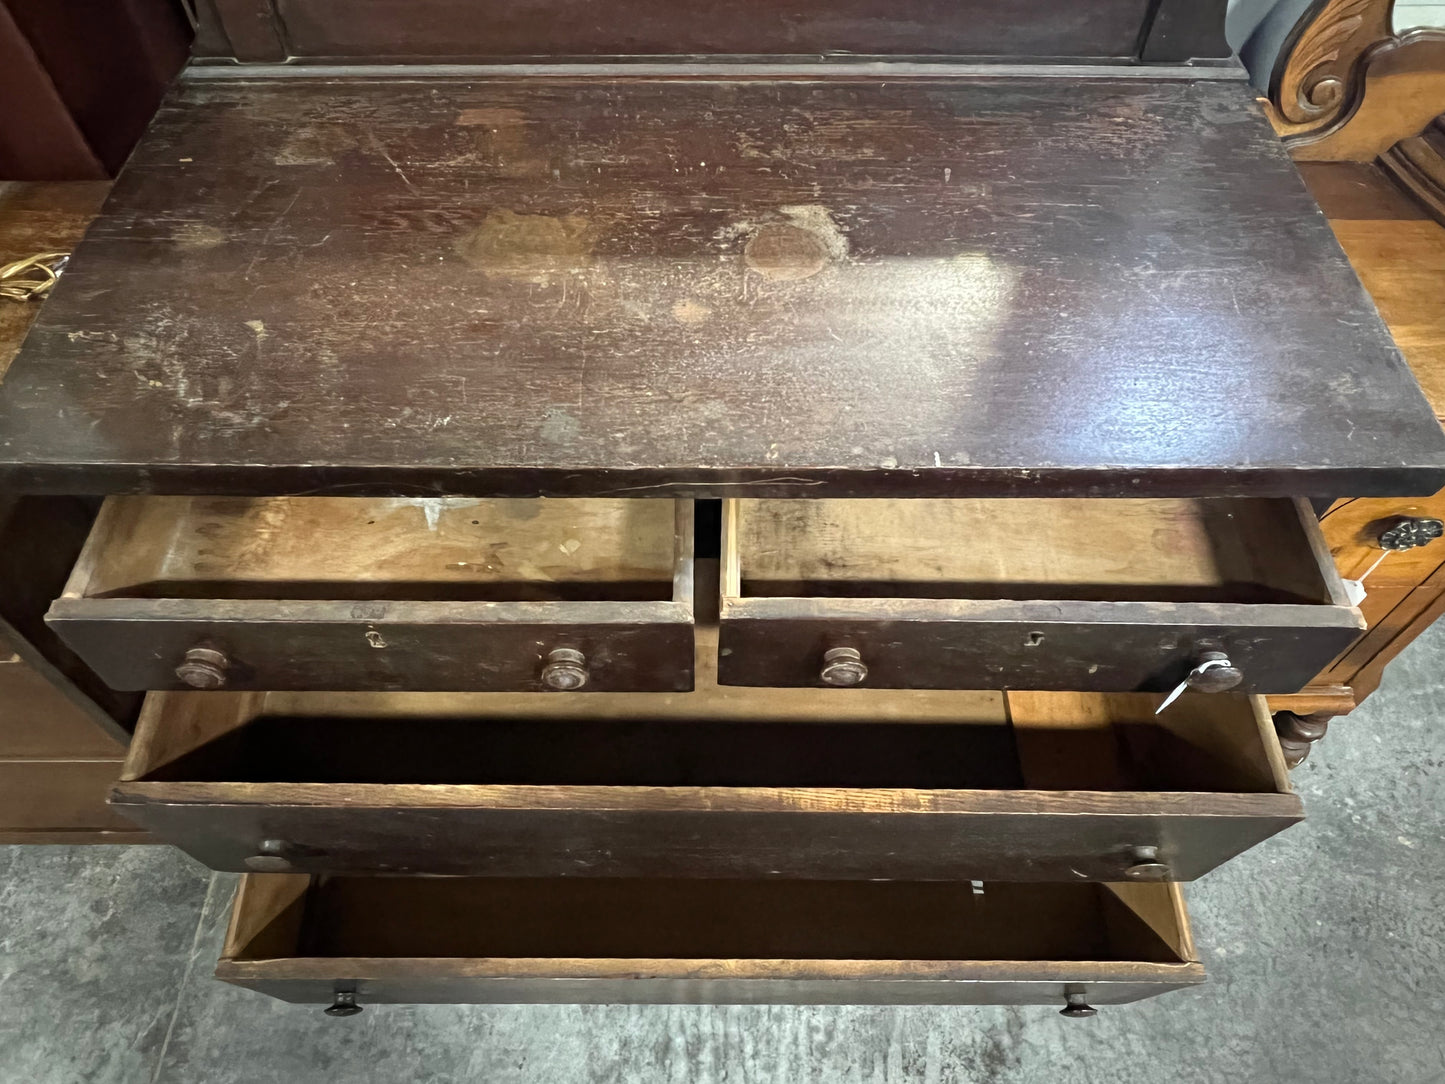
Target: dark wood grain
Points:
(1186, 30)
(250, 28)
(1025, 836)
(1093, 646)
(138, 643)
(454, 29)
(997, 286)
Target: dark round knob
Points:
(843, 667)
(344, 1005)
(1077, 1008)
(270, 857)
(1146, 865)
(566, 670)
(1214, 679)
(204, 668)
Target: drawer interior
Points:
(395, 548)
(1144, 550)
(650, 919)
(715, 736)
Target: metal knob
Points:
(204, 668)
(843, 667)
(344, 1005)
(1218, 676)
(270, 857)
(1146, 865)
(566, 670)
(1076, 1007)
(1409, 532)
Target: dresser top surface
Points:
(1003, 285)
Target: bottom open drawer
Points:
(364, 940)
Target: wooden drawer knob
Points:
(271, 857)
(843, 667)
(344, 1004)
(204, 668)
(1077, 1007)
(566, 670)
(1146, 865)
(1214, 673)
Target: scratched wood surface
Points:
(967, 287)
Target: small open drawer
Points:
(719, 782)
(352, 941)
(1126, 595)
(363, 593)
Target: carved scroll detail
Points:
(1323, 72)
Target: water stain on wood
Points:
(528, 248)
(799, 248)
(691, 311)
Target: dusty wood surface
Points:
(828, 288)
(332, 548)
(1139, 550)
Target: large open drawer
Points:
(718, 782)
(364, 940)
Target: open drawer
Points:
(1091, 594)
(720, 782)
(393, 593)
(358, 940)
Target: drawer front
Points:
(717, 782)
(1086, 646)
(384, 594)
(352, 942)
(1091, 595)
(397, 646)
(612, 832)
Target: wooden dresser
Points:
(715, 502)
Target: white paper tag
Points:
(1202, 668)
(1354, 591)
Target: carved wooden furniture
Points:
(1346, 89)
(505, 466)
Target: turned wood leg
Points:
(1298, 732)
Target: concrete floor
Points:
(1326, 948)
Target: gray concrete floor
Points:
(1326, 948)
